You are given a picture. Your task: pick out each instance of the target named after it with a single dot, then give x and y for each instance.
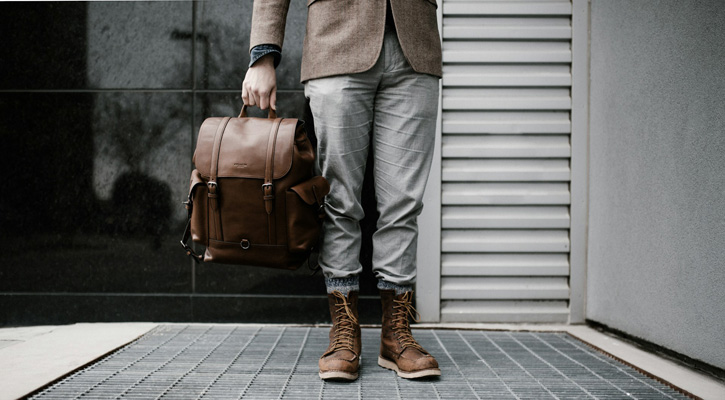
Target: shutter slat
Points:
(505, 241)
(507, 8)
(502, 51)
(505, 217)
(505, 170)
(506, 99)
(505, 193)
(505, 122)
(472, 56)
(504, 311)
(506, 28)
(508, 32)
(470, 146)
(472, 20)
(504, 264)
(504, 103)
(507, 75)
(509, 79)
(497, 288)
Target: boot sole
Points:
(338, 375)
(408, 375)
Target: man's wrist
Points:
(263, 51)
(265, 60)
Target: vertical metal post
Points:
(428, 286)
(193, 112)
(579, 210)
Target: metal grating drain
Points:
(273, 362)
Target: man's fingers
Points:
(262, 97)
(253, 98)
(263, 100)
(273, 99)
(245, 96)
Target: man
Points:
(371, 70)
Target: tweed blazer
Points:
(346, 36)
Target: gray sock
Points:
(343, 285)
(399, 289)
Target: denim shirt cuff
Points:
(262, 50)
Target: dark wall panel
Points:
(139, 44)
(99, 179)
(99, 107)
(44, 45)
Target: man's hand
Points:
(260, 84)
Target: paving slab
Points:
(36, 356)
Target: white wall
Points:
(657, 173)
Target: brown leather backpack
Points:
(254, 198)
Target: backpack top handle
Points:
(243, 114)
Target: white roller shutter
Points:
(505, 167)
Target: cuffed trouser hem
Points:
(343, 285)
(399, 289)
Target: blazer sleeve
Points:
(268, 22)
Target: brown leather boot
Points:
(341, 360)
(398, 349)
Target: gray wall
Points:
(656, 265)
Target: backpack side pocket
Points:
(199, 218)
(304, 213)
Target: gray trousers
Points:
(394, 109)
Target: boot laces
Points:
(402, 309)
(345, 325)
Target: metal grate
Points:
(274, 362)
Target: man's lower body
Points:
(390, 110)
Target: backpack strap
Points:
(268, 186)
(212, 184)
(189, 205)
(187, 234)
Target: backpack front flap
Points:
(244, 146)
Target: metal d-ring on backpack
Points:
(254, 198)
